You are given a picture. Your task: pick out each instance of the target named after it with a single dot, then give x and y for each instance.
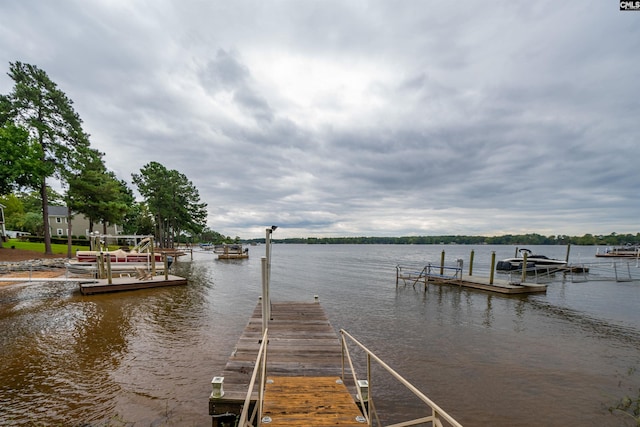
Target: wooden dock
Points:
(304, 366)
(309, 401)
(118, 284)
(475, 282)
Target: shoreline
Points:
(21, 263)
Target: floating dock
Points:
(304, 368)
(118, 284)
(231, 251)
(453, 276)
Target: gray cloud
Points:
(345, 118)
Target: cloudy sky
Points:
(366, 118)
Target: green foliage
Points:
(20, 164)
(173, 201)
(33, 223)
(138, 220)
(13, 212)
(95, 192)
(613, 239)
(210, 236)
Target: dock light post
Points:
(266, 279)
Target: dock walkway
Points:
(304, 365)
(475, 282)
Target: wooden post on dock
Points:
(442, 263)
(493, 266)
(152, 257)
(165, 260)
(524, 267)
(109, 278)
(471, 263)
(101, 266)
(397, 274)
(568, 251)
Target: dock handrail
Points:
(437, 413)
(261, 369)
(427, 273)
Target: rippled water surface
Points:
(146, 358)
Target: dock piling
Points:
(493, 267)
(524, 267)
(109, 276)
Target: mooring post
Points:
(109, 279)
(101, 266)
(397, 275)
(568, 251)
(152, 256)
(165, 259)
(471, 262)
(493, 265)
(524, 267)
(442, 263)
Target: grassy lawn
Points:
(39, 247)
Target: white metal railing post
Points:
(369, 394)
(260, 373)
(437, 413)
(265, 295)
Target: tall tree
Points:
(46, 113)
(173, 200)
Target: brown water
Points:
(146, 358)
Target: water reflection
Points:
(147, 357)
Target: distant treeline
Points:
(612, 239)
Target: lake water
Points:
(146, 358)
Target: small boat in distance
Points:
(231, 251)
(533, 262)
(627, 251)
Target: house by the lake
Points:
(59, 223)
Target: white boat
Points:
(533, 261)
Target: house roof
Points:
(57, 211)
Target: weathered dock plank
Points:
(309, 401)
(302, 343)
